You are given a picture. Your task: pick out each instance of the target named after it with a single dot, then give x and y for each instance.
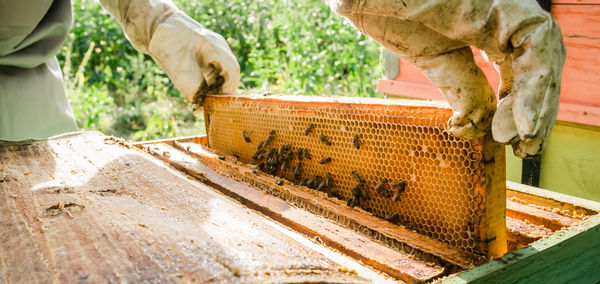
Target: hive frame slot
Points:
(455, 189)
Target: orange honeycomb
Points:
(401, 140)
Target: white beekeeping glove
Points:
(197, 60)
(522, 39)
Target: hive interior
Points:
(447, 189)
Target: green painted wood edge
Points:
(569, 255)
(552, 195)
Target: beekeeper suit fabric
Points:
(522, 40)
(197, 60)
(33, 104)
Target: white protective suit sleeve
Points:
(522, 40)
(197, 60)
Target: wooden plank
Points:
(578, 20)
(493, 220)
(553, 201)
(538, 216)
(570, 255)
(401, 88)
(574, 2)
(523, 233)
(198, 139)
(399, 264)
(579, 76)
(86, 208)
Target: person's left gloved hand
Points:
(197, 60)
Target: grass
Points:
(292, 47)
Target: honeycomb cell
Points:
(398, 142)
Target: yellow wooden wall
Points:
(570, 163)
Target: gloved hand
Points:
(521, 39)
(197, 60)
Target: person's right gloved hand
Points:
(197, 60)
(436, 36)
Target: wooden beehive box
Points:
(94, 208)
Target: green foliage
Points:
(291, 47)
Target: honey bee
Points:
(352, 202)
(310, 183)
(328, 180)
(365, 207)
(300, 154)
(364, 191)
(326, 160)
(317, 180)
(357, 177)
(222, 158)
(246, 136)
(380, 187)
(387, 193)
(409, 225)
(325, 139)
(322, 186)
(258, 155)
(356, 141)
(255, 171)
(285, 165)
(309, 129)
(303, 182)
(393, 218)
(268, 141)
(261, 166)
(235, 155)
(400, 186)
(284, 149)
(307, 155)
(279, 182)
(336, 194)
(357, 190)
(298, 170)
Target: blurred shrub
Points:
(293, 47)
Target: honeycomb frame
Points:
(455, 189)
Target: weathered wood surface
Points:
(318, 203)
(548, 219)
(84, 209)
(571, 255)
(399, 264)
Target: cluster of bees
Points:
(276, 161)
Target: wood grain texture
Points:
(538, 216)
(493, 221)
(318, 203)
(570, 255)
(82, 208)
(397, 263)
